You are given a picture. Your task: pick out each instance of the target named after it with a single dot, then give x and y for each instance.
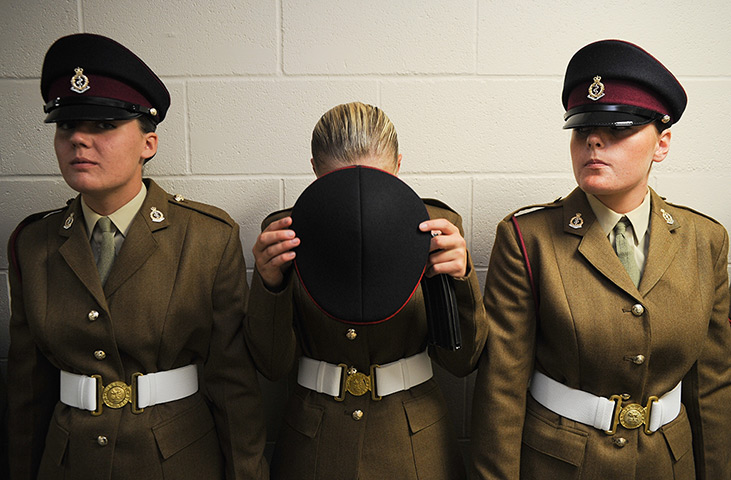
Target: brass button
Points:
(619, 442)
(638, 359)
(351, 334)
(102, 440)
(100, 355)
(357, 415)
(638, 310)
(93, 315)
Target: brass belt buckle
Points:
(116, 394)
(357, 383)
(631, 416)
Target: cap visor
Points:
(605, 119)
(88, 112)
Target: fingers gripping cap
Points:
(361, 254)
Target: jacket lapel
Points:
(76, 251)
(663, 244)
(594, 245)
(140, 243)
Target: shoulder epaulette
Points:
(535, 207)
(204, 208)
(691, 210)
(437, 203)
(12, 252)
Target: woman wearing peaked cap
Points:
(127, 358)
(365, 405)
(608, 354)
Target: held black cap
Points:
(361, 254)
(617, 83)
(91, 77)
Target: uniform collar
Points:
(121, 218)
(608, 218)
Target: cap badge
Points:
(668, 218)
(69, 221)
(79, 82)
(156, 215)
(596, 89)
(576, 221)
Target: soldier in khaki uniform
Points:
(599, 364)
(127, 358)
(404, 433)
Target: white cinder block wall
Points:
(473, 87)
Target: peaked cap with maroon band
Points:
(361, 254)
(617, 83)
(91, 77)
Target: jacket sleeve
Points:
(33, 383)
(230, 378)
(269, 328)
(498, 411)
(707, 387)
(472, 319)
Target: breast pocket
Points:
(550, 451)
(433, 440)
(296, 452)
(680, 442)
(57, 441)
(188, 442)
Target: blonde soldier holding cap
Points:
(336, 293)
(609, 353)
(127, 358)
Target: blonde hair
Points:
(350, 132)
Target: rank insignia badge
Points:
(596, 89)
(156, 215)
(79, 82)
(668, 218)
(69, 221)
(576, 222)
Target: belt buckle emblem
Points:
(116, 394)
(357, 383)
(631, 416)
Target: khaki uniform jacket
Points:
(406, 435)
(587, 335)
(175, 296)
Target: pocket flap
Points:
(57, 439)
(304, 418)
(424, 411)
(178, 432)
(554, 440)
(678, 435)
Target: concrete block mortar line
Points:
(80, 14)
(280, 38)
(186, 128)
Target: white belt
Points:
(393, 377)
(604, 413)
(88, 393)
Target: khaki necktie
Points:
(106, 250)
(625, 252)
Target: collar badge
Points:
(596, 89)
(668, 218)
(156, 215)
(79, 82)
(69, 221)
(576, 221)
